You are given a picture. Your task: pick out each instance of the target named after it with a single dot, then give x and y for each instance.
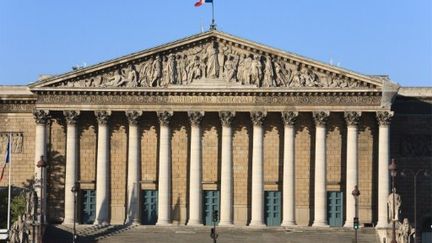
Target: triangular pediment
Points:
(210, 60)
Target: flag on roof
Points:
(201, 2)
(6, 159)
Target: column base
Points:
(163, 223)
(382, 225)
(226, 224)
(68, 221)
(349, 224)
(288, 223)
(257, 224)
(101, 223)
(323, 224)
(132, 222)
(196, 223)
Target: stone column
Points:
(384, 118)
(257, 218)
(226, 203)
(288, 200)
(164, 182)
(41, 119)
(320, 204)
(102, 169)
(352, 118)
(195, 190)
(71, 164)
(134, 171)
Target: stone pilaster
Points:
(195, 189)
(134, 170)
(71, 164)
(102, 169)
(288, 191)
(257, 218)
(164, 182)
(352, 118)
(384, 119)
(226, 206)
(320, 204)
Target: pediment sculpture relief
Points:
(214, 60)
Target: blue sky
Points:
(391, 37)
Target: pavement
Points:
(186, 234)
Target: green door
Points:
(335, 208)
(272, 208)
(210, 204)
(88, 205)
(149, 212)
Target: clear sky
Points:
(391, 37)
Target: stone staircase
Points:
(186, 234)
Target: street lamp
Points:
(42, 165)
(405, 172)
(356, 194)
(75, 190)
(393, 173)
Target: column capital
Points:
(41, 116)
(102, 117)
(321, 117)
(71, 117)
(384, 117)
(226, 117)
(258, 117)
(289, 117)
(352, 117)
(133, 116)
(164, 117)
(195, 117)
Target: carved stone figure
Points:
(131, 75)
(231, 68)
(156, 72)
(195, 69)
(181, 69)
(268, 80)
(116, 80)
(30, 203)
(145, 73)
(221, 59)
(282, 75)
(212, 62)
(256, 70)
(171, 69)
(397, 204)
(405, 232)
(246, 70)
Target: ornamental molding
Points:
(133, 117)
(289, 117)
(195, 117)
(212, 59)
(320, 117)
(384, 117)
(71, 117)
(226, 117)
(102, 117)
(352, 118)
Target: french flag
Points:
(201, 2)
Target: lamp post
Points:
(393, 173)
(405, 172)
(42, 165)
(215, 218)
(356, 194)
(75, 190)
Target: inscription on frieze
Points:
(210, 100)
(17, 142)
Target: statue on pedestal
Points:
(397, 204)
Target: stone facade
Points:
(207, 75)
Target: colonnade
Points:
(226, 180)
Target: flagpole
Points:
(213, 25)
(9, 181)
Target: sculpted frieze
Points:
(213, 60)
(293, 100)
(16, 144)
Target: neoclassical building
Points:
(215, 122)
